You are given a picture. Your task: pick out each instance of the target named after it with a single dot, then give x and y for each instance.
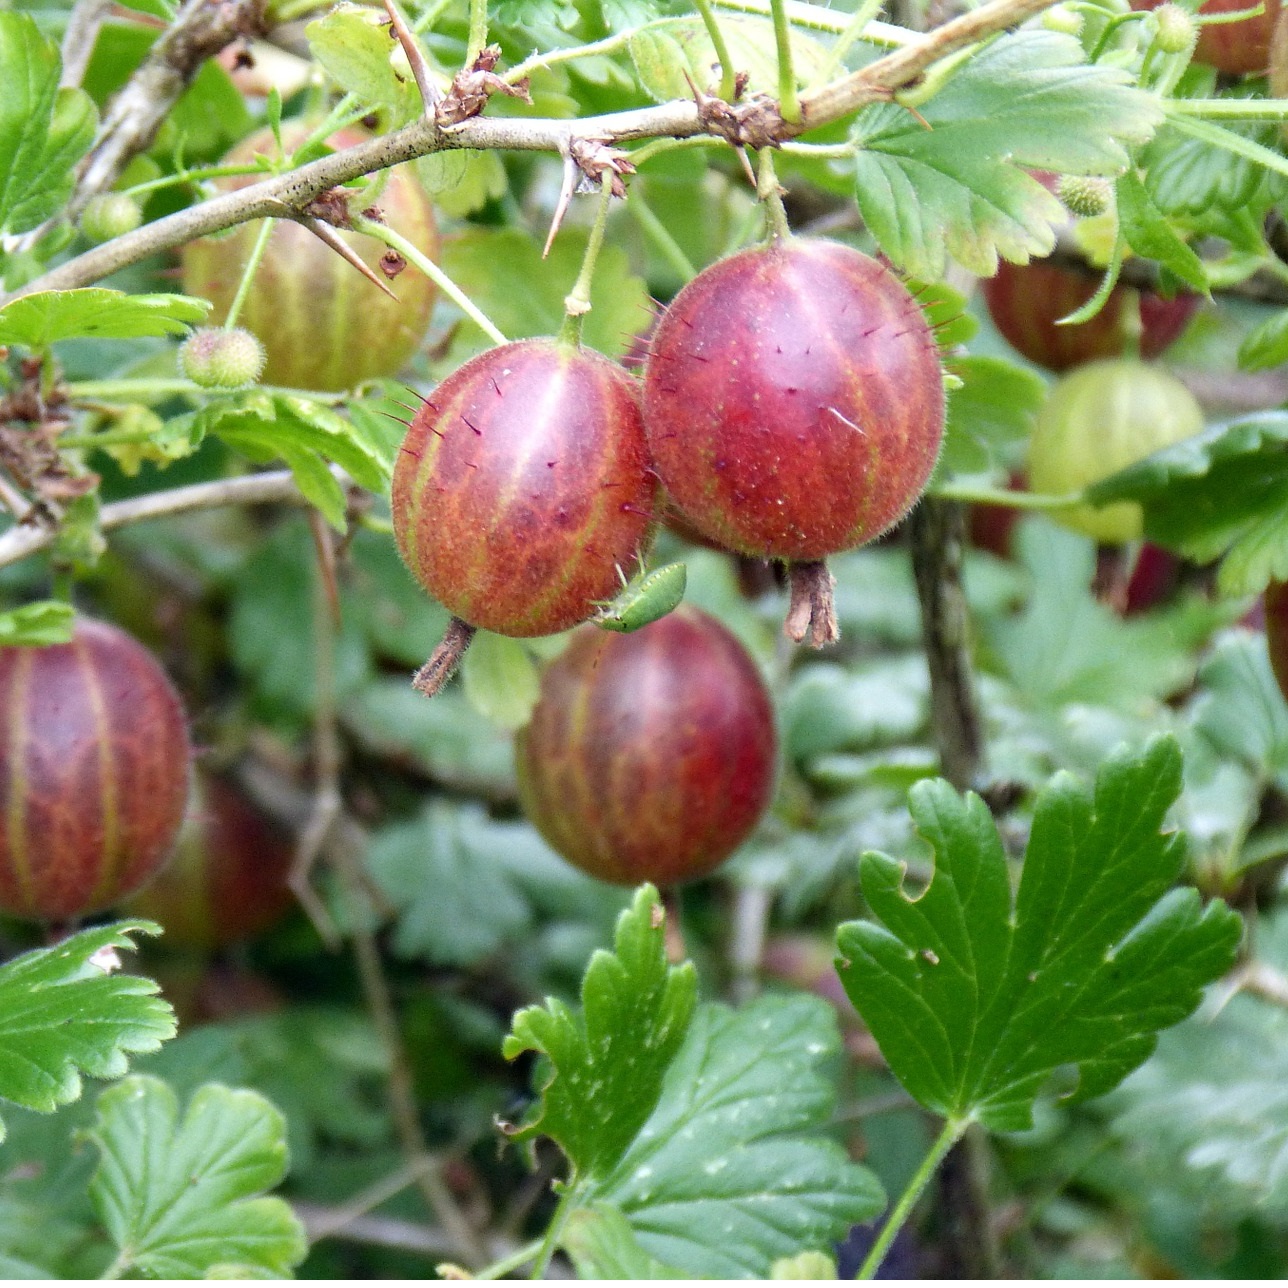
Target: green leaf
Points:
(730, 1171)
(42, 319)
(500, 679)
(961, 187)
(1239, 708)
(976, 997)
(995, 405)
(463, 180)
(501, 270)
(1066, 647)
(666, 52)
(1188, 176)
(602, 1071)
(1224, 491)
(48, 622)
(354, 47)
(180, 1197)
(450, 873)
(1209, 1112)
(44, 130)
(1266, 345)
(64, 1012)
(323, 1066)
(1148, 233)
(306, 435)
(602, 1245)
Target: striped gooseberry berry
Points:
(794, 403)
(649, 756)
(94, 765)
(523, 492)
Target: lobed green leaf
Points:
(961, 187)
(44, 318)
(64, 1013)
(182, 1197)
(977, 996)
(44, 130)
(731, 1172)
(603, 1068)
(1222, 492)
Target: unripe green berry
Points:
(219, 359)
(1175, 30)
(1063, 19)
(110, 214)
(1085, 195)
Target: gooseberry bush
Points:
(757, 879)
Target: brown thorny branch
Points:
(287, 196)
(204, 26)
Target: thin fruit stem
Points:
(1016, 500)
(658, 233)
(519, 1257)
(1230, 109)
(816, 18)
(554, 1231)
(248, 274)
(577, 301)
(144, 389)
(609, 45)
(658, 147)
(771, 197)
(477, 40)
(788, 104)
(863, 15)
(413, 255)
(63, 584)
(346, 112)
(191, 176)
(108, 438)
(728, 82)
(902, 1210)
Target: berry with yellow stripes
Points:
(323, 325)
(649, 756)
(523, 486)
(794, 400)
(94, 764)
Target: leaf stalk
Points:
(952, 1132)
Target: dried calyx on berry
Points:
(219, 359)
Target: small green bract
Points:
(219, 359)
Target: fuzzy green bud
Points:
(1085, 195)
(218, 359)
(1175, 30)
(1063, 19)
(108, 215)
